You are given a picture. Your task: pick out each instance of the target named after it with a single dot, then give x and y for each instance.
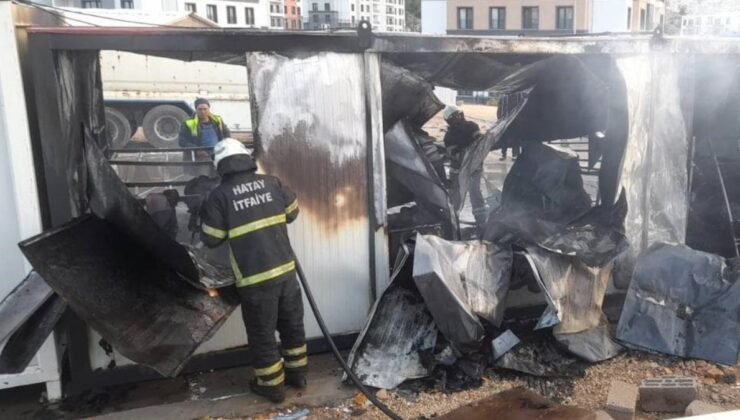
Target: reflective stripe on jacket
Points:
(251, 211)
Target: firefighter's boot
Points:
(275, 393)
(270, 382)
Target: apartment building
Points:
(264, 14)
(293, 17)
(542, 17)
(714, 24)
(384, 15)
(237, 13)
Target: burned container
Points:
(319, 117)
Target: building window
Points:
(299, 13)
(91, 4)
(231, 14)
(249, 16)
(352, 6)
(327, 7)
(353, 20)
(212, 12)
(464, 18)
(316, 18)
(530, 17)
(190, 7)
(642, 19)
(629, 18)
(315, 7)
(327, 18)
(564, 17)
(650, 17)
(362, 8)
(127, 4)
(292, 10)
(497, 18)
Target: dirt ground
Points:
(718, 386)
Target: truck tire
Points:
(117, 127)
(162, 125)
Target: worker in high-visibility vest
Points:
(204, 129)
(251, 212)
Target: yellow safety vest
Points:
(194, 122)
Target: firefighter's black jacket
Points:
(251, 211)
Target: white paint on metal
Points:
(19, 204)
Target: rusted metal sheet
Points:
(311, 119)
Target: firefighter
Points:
(250, 211)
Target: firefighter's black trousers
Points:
(275, 305)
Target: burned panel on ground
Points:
(399, 330)
(685, 303)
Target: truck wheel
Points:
(162, 125)
(117, 127)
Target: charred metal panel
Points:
(28, 339)
(457, 71)
(475, 154)
(462, 277)
(575, 294)
(409, 167)
(655, 169)
(566, 100)
(310, 116)
(110, 199)
(406, 95)
(574, 291)
(21, 303)
(80, 96)
(139, 304)
(399, 328)
(685, 303)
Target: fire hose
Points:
(370, 396)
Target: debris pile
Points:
(549, 234)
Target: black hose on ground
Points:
(370, 396)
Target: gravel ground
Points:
(588, 392)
